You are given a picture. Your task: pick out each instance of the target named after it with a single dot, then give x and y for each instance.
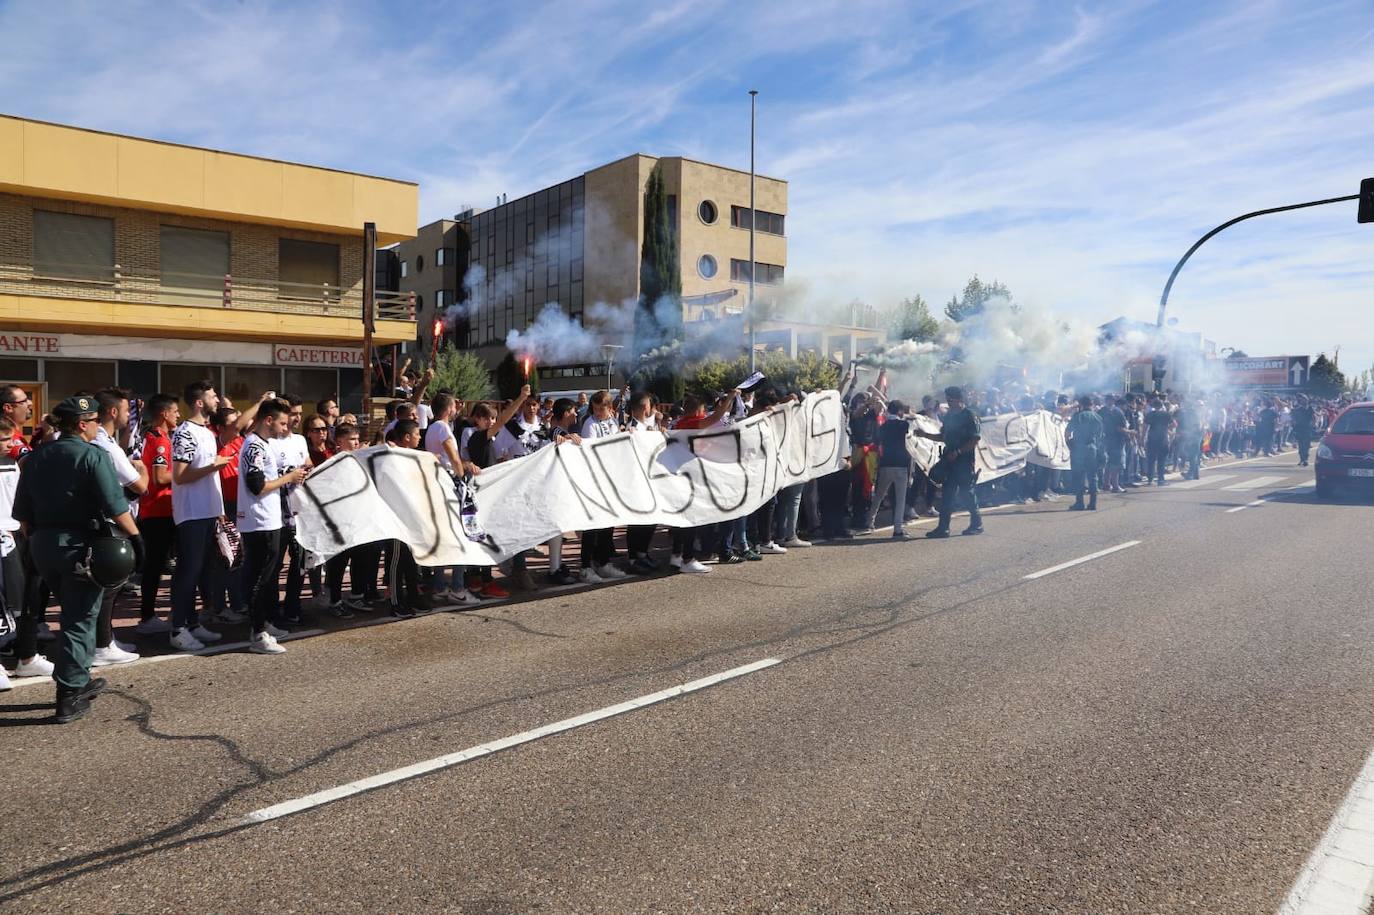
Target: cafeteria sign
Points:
(325, 357)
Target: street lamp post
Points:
(753, 218)
(609, 350)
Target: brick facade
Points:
(253, 252)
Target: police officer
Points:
(1084, 434)
(66, 491)
(961, 434)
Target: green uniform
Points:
(66, 488)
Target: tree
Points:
(658, 319)
(463, 374)
(975, 298)
(808, 372)
(1324, 379)
(510, 377)
(912, 320)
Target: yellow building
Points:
(149, 265)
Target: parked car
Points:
(1345, 456)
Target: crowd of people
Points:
(207, 492)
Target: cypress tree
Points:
(658, 319)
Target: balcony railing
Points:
(81, 281)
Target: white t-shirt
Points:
(424, 415)
(258, 512)
(124, 469)
(291, 452)
(9, 482)
(195, 446)
(599, 428)
(435, 436)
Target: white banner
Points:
(681, 479)
(1009, 442)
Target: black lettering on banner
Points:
(658, 472)
(729, 435)
(583, 497)
(322, 477)
(824, 441)
(624, 490)
(792, 417)
(406, 479)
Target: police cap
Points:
(77, 405)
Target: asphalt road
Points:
(1166, 728)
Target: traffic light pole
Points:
(1164, 299)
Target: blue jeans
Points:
(195, 570)
(733, 538)
(789, 506)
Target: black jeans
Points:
(194, 572)
(18, 582)
(158, 536)
(597, 547)
(1156, 453)
(403, 576)
(1304, 445)
(638, 539)
(959, 484)
(262, 557)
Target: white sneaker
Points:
(276, 633)
(124, 646)
(155, 626)
(464, 597)
(5, 684)
(36, 666)
(205, 635)
(772, 549)
(183, 640)
(610, 572)
(590, 577)
(694, 566)
(675, 561)
(112, 654)
(264, 643)
(231, 617)
(796, 542)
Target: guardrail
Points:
(79, 281)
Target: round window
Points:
(706, 266)
(707, 212)
(419, 262)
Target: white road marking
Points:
(1253, 483)
(176, 656)
(1082, 559)
(1338, 876)
(1241, 508)
(1201, 481)
(328, 796)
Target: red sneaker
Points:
(492, 589)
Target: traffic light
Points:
(1366, 213)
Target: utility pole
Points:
(753, 218)
(369, 316)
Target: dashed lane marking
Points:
(330, 795)
(1202, 481)
(1082, 559)
(1241, 508)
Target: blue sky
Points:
(1071, 151)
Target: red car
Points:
(1345, 457)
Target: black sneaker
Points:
(973, 531)
(402, 613)
(937, 533)
(753, 555)
(733, 559)
(564, 576)
(340, 611)
(900, 534)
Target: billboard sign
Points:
(1267, 372)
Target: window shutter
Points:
(194, 258)
(309, 263)
(77, 247)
